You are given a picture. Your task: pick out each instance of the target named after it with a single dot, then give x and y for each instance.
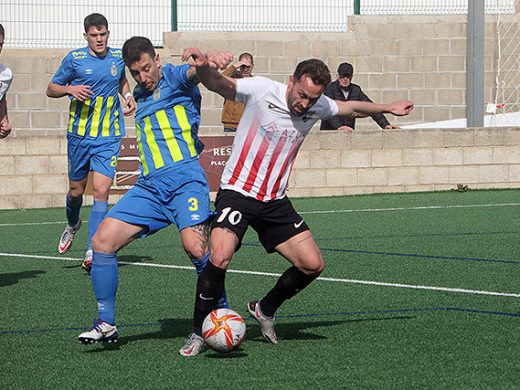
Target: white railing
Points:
(58, 23)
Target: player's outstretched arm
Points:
(358, 109)
(206, 66)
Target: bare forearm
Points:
(356, 109)
(3, 109)
(57, 91)
(359, 109)
(216, 82)
(124, 87)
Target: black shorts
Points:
(275, 221)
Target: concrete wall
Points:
(33, 170)
(417, 57)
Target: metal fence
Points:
(58, 23)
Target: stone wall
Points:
(422, 58)
(330, 163)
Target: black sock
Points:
(289, 284)
(210, 286)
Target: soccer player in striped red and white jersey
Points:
(275, 122)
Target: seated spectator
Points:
(232, 110)
(344, 89)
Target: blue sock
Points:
(99, 210)
(200, 264)
(104, 280)
(73, 208)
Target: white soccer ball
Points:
(223, 330)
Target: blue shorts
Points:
(179, 196)
(92, 154)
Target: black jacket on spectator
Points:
(355, 92)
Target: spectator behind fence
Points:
(343, 89)
(6, 77)
(232, 110)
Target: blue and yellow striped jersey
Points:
(101, 115)
(167, 121)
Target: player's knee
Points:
(313, 266)
(220, 259)
(76, 192)
(100, 194)
(195, 252)
(101, 242)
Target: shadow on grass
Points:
(8, 279)
(300, 330)
(134, 259)
(168, 329)
(123, 258)
(180, 328)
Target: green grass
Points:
(338, 333)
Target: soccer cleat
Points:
(87, 262)
(101, 331)
(67, 237)
(266, 323)
(193, 346)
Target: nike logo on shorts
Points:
(297, 225)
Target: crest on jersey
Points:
(156, 94)
(113, 70)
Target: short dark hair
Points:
(134, 47)
(315, 69)
(248, 55)
(2, 31)
(96, 20)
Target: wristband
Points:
(128, 94)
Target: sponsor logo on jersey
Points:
(275, 108)
(89, 71)
(79, 55)
(116, 53)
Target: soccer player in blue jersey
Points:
(172, 187)
(92, 77)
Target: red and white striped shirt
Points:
(268, 138)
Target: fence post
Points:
(174, 15)
(475, 64)
(357, 7)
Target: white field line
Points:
(326, 212)
(323, 279)
(409, 208)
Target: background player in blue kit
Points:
(172, 187)
(92, 77)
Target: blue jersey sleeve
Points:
(179, 73)
(65, 73)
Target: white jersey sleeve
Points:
(250, 89)
(328, 107)
(6, 77)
